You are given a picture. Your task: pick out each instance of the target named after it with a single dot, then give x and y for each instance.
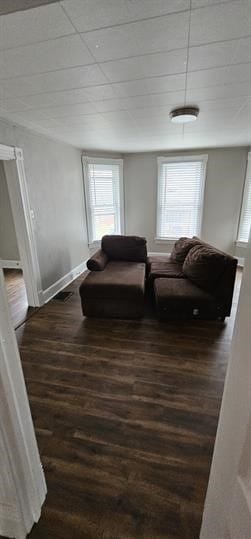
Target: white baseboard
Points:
(10, 264)
(241, 261)
(50, 292)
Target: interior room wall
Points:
(8, 239)
(222, 201)
(55, 184)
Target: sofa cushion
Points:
(180, 299)
(119, 280)
(98, 261)
(204, 266)
(182, 247)
(129, 248)
(180, 290)
(163, 266)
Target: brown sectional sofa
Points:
(195, 281)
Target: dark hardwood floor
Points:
(125, 414)
(16, 293)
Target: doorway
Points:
(20, 310)
(10, 257)
(18, 252)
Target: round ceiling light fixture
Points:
(183, 115)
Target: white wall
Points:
(55, 183)
(8, 239)
(223, 193)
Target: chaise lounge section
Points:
(115, 285)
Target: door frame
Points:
(23, 487)
(23, 217)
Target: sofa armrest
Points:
(98, 261)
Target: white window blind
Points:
(104, 197)
(180, 196)
(245, 217)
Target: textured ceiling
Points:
(104, 74)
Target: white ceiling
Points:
(104, 74)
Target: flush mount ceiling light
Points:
(183, 115)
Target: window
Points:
(104, 196)
(245, 217)
(180, 195)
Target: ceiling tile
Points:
(151, 65)
(69, 110)
(111, 105)
(242, 118)
(97, 93)
(218, 76)
(244, 137)
(140, 9)
(155, 35)
(70, 97)
(212, 120)
(228, 20)
(243, 50)
(32, 25)
(30, 115)
(119, 118)
(77, 122)
(12, 105)
(207, 140)
(153, 112)
(207, 77)
(213, 55)
(216, 92)
(147, 86)
(48, 123)
(57, 98)
(92, 14)
(159, 123)
(64, 79)
(47, 56)
(233, 103)
(156, 100)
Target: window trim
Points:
(180, 158)
(86, 160)
(241, 243)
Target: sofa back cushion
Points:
(182, 247)
(204, 265)
(128, 248)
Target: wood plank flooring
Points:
(16, 293)
(125, 414)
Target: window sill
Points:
(94, 243)
(243, 244)
(164, 240)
